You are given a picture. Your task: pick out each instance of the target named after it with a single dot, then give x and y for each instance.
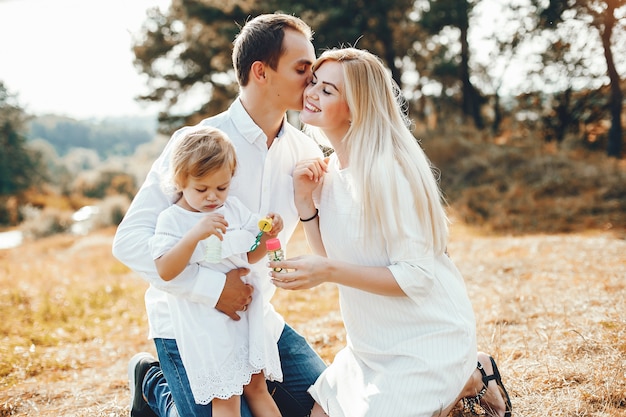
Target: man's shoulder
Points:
(295, 133)
(292, 130)
(301, 140)
(217, 120)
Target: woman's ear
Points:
(257, 71)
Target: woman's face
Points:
(325, 105)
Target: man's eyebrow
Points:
(305, 61)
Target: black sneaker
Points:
(138, 366)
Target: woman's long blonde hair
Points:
(378, 139)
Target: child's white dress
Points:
(220, 354)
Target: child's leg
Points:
(259, 399)
(226, 408)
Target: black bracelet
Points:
(310, 218)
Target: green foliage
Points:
(385, 28)
(442, 13)
(551, 14)
(523, 188)
(112, 210)
(45, 222)
(197, 37)
(106, 139)
(18, 166)
(99, 184)
(605, 17)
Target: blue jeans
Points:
(169, 385)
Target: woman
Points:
(374, 218)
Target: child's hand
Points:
(277, 224)
(211, 224)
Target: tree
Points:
(601, 15)
(499, 33)
(18, 166)
(384, 27)
(106, 138)
(439, 15)
(186, 51)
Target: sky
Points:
(73, 57)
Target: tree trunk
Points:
(471, 100)
(563, 114)
(614, 145)
(385, 35)
(497, 114)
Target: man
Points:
(272, 57)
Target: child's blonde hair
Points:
(200, 152)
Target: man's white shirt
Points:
(263, 182)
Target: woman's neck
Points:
(342, 154)
(336, 139)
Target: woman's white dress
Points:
(405, 356)
(219, 354)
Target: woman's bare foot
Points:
(491, 401)
(318, 411)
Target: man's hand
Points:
(236, 294)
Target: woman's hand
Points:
(307, 175)
(308, 271)
(300, 273)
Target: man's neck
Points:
(268, 119)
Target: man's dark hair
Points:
(261, 39)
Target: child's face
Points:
(208, 193)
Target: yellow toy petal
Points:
(265, 224)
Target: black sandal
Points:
(471, 406)
(498, 378)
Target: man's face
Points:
(293, 72)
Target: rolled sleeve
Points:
(412, 261)
(197, 284)
(415, 281)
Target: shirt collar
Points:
(246, 126)
(282, 128)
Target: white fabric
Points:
(405, 356)
(219, 354)
(263, 182)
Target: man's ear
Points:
(257, 71)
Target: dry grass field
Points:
(550, 308)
